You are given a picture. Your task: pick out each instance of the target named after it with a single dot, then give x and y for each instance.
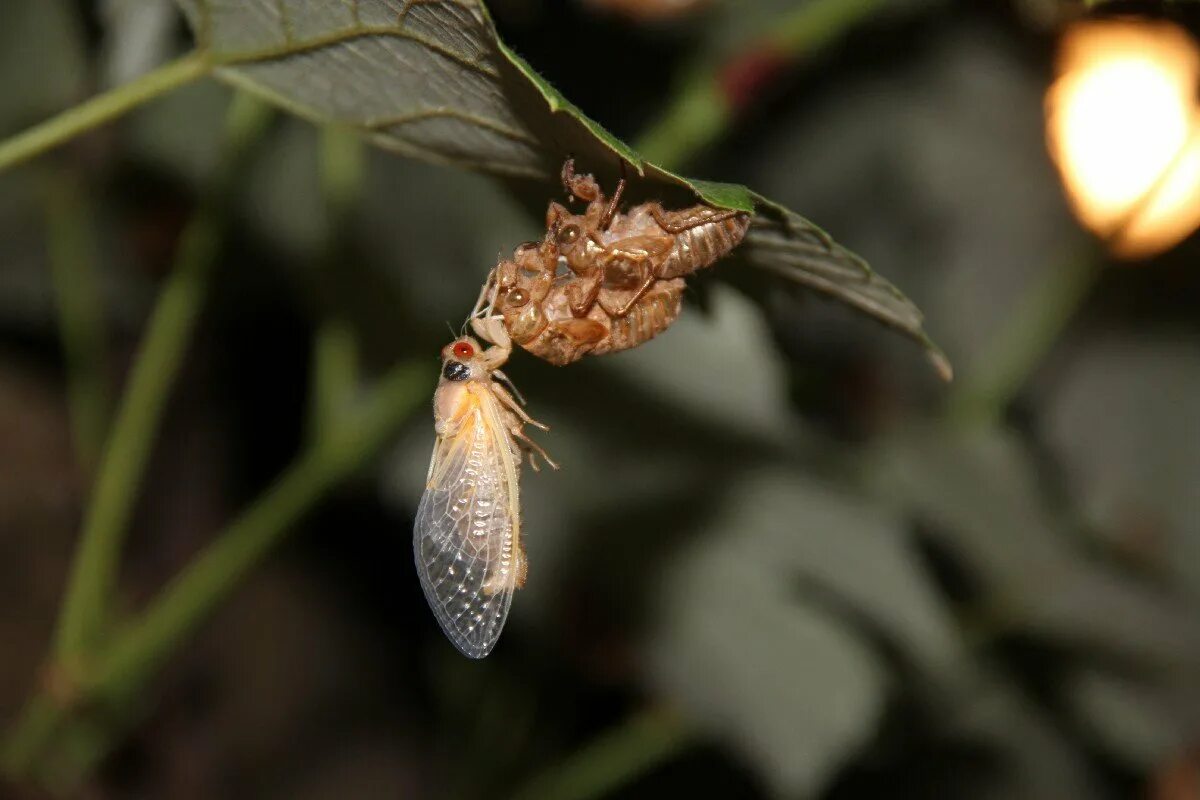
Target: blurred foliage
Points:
(771, 565)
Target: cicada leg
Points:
(615, 202)
(511, 403)
(586, 188)
(533, 449)
(488, 286)
(582, 186)
(645, 253)
(491, 329)
(675, 222)
(647, 282)
(509, 385)
(580, 301)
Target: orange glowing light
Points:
(1124, 128)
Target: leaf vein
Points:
(351, 35)
(495, 126)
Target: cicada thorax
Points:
(536, 310)
(567, 337)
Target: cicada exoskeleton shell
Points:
(652, 314)
(606, 280)
(700, 236)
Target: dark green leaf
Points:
(1136, 484)
(787, 685)
(433, 80)
(987, 506)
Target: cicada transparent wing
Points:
(466, 537)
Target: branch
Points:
(89, 591)
(72, 251)
(613, 759)
(124, 668)
(101, 109)
(714, 95)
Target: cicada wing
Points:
(466, 535)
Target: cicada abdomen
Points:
(652, 314)
(701, 235)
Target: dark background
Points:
(768, 538)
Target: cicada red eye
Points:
(463, 350)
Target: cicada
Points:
(467, 538)
(605, 280)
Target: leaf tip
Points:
(940, 362)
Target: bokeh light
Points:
(1122, 127)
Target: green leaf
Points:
(988, 507)
(784, 683)
(764, 630)
(433, 80)
(1142, 722)
(1136, 484)
(46, 33)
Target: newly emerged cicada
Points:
(606, 280)
(467, 538)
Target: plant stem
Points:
(703, 109)
(212, 576)
(1033, 327)
(31, 735)
(334, 373)
(342, 169)
(335, 347)
(101, 109)
(72, 253)
(817, 24)
(611, 760)
(89, 591)
(139, 650)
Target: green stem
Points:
(701, 112)
(32, 734)
(138, 651)
(101, 109)
(612, 760)
(335, 347)
(817, 24)
(982, 396)
(90, 588)
(72, 254)
(334, 373)
(342, 169)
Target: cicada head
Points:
(462, 360)
(465, 360)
